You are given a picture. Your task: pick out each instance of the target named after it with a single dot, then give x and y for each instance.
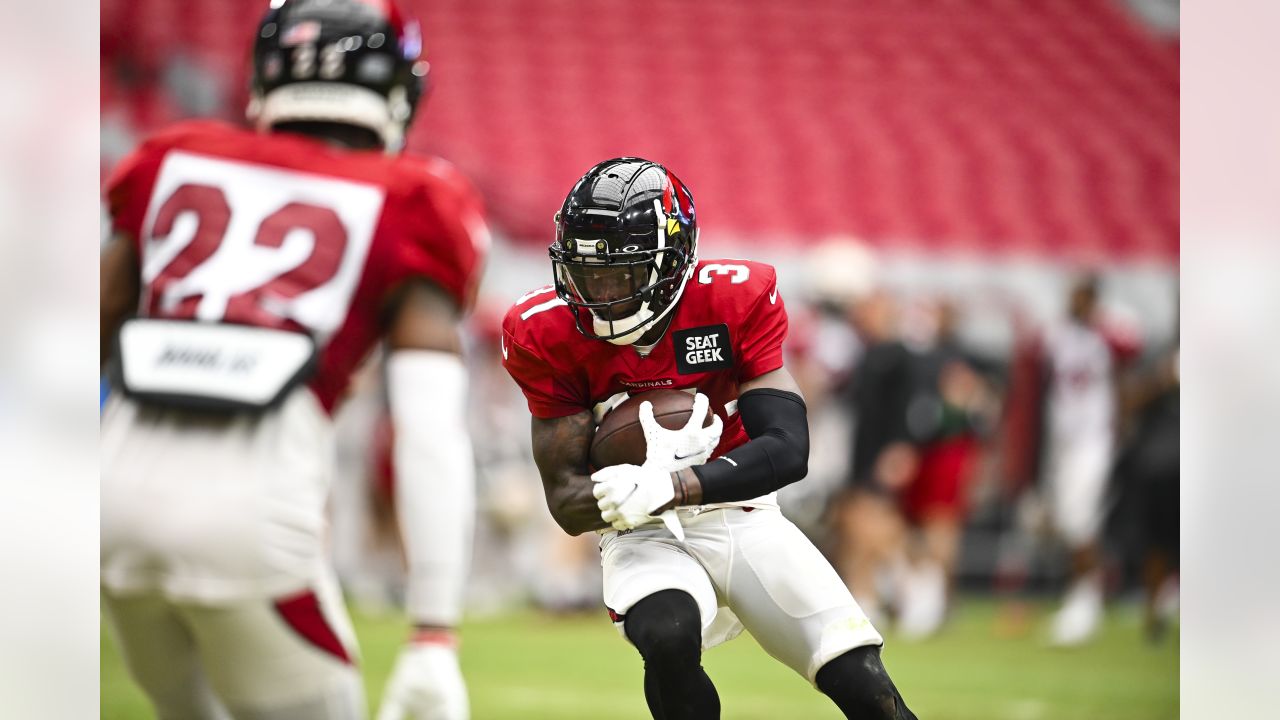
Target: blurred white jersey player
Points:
(1080, 426)
(260, 268)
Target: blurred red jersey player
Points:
(250, 272)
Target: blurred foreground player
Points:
(262, 268)
(633, 309)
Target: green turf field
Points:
(533, 667)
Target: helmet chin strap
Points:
(632, 325)
(637, 324)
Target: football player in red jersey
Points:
(631, 309)
(249, 273)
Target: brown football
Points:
(620, 439)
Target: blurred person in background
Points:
(262, 268)
(1080, 364)
(1017, 447)
(950, 406)
(1147, 472)
(884, 459)
(822, 350)
(634, 307)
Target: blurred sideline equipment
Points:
(306, 242)
(633, 309)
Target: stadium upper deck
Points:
(989, 126)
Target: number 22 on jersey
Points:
(228, 241)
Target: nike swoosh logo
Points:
(684, 457)
(502, 341)
(773, 297)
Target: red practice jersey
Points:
(287, 232)
(728, 328)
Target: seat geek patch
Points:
(702, 349)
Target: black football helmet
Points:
(355, 62)
(626, 244)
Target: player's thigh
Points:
(1079, 481)
(637, 565)
(291, 658)
(788, 596)
(160, 653)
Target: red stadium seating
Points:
(990, 126)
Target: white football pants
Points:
(751, 569)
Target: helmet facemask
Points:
(620, 296)
(626, 245)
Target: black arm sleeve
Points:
(776, 456)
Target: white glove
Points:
(673, 450)
(628, 495)
(426, 684)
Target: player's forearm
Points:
(776, 456)
(560, 447)
(435, 481)
(436, 520)
(574, 506)
(762, 466)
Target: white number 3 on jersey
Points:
(737, 273)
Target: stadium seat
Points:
(989, 125)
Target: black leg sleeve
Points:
(861, 688)
(666, 628)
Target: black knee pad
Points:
(859, 684)
(666, 628)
